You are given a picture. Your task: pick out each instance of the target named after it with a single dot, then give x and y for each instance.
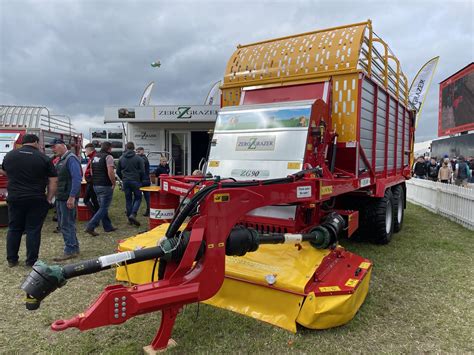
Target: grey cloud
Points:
(77, 57)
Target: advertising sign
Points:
(150, 138)
(113, 135)
(420, 86)
(168, 113)
(145, 99)
(456, 102)
(260, 143)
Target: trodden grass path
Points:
(420, 300)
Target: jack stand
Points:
(148, 350)
(163, 340)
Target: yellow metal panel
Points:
(331, 311)
(252, 296)
(262, 303)
(299, 57)
(292, 268)
(231, 97)
(345, 97)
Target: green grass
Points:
(420, 300)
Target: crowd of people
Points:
(37, 183)
(448, 171)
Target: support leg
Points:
(162, 339)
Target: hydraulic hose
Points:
(201, 194)
(44, 279)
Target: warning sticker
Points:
(364, 265)
(294, 165)
(221, 198)
(330, 289)
(326, 190)
(303, 191)
(352, 282)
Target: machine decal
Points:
(214, 164)
(165, 186)
(255, 143)
(303, 191)
(250, 173)
(364, 182)
(294, 165)
(364, 265)
(178, 189)
(330, 289)
(161, 214)
(325, 190)
(352, 282)
(268, 118)
(221, 198)
(117, 258)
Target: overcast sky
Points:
(76, 57)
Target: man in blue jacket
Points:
(131, 170)
(67, 193)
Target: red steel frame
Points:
(188, 282)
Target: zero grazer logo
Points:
(161, 213)
(255, 143)
(183, 112)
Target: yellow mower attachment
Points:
(278, 284)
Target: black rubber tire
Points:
(398, 207)
(381, 224)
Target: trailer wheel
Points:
(381, 215)
(398, 208)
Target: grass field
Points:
(420, 300)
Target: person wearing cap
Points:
(146, 182)
(69, 186)
(29, 172)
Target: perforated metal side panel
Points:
(367, 118)
(401, 112)
(309, 53)
(344, 106)
(391, 134)
(407, 137)
(381, 124)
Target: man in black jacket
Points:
(131, 169)
(433, 169)
(29, 172)
(163, 168)
(419, 170)
(146, 182)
